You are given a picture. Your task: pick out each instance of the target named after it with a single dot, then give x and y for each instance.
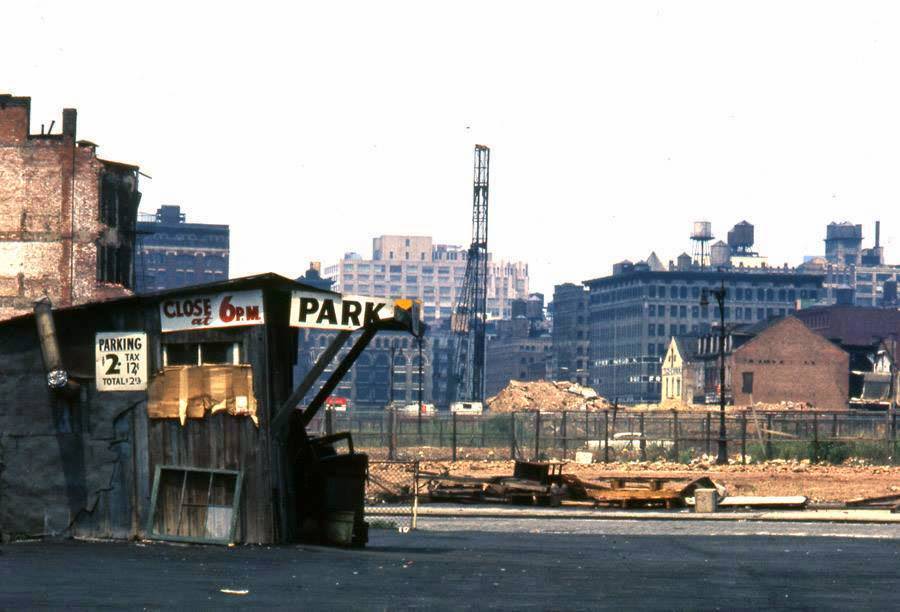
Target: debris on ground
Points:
(544, 484)
(891, 502)
(545, 395)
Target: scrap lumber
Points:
(882, 501)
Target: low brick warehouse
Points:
(67, 217)
(790, 362)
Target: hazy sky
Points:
(311, 127)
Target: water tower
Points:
(741, 238)
(701, 236)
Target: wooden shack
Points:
(82, 459)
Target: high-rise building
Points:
(571, 332)
(415, 267)
(67, 217)
(173, 253)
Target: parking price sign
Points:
(121, 360)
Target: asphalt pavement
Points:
(514, 564)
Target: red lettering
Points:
(253, 313)
(239, 313)
(167, 309)
(207, 308)
(226, 310)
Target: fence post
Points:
(537, 434)
(415, 507)
(769, 436)
(834, 425)
(894, 438)
(329, 421)
(381, 431)
(512, 436)
(586, 428)
(440, 432)
(392, 434)
(481, 420)
(708, 430)
(744, 437)
(454, 436)
(643, 442)
(815, 438)
(675, 450)
(565, 444)
(606, 436)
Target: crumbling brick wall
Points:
(55, 198)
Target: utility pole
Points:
(719, 295)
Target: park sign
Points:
(227, 309)
(317, 310)
(121, 361)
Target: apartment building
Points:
(417, 267)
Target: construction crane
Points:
(469, 316)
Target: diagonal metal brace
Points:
(343, 367)
(282, 417)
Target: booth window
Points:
(202, 353)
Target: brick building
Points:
(172, 253)
(789, 362)
(852, 325)
(771, 362)
(67, 217)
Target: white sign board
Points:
(121, 361)
(227, 309)
(337, 313)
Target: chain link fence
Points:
(622, 435)
(392, 499)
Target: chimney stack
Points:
(70, 118)
(877, 234)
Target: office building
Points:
(173, 253)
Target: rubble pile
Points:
(783, 405)
(548, 396)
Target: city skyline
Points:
(618, 127)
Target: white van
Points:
(466, 408)
(426, 409)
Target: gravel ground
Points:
(821, 483)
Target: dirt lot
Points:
(818, 482)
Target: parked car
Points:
(337, 403)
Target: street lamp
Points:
(719, 295)
(421, 405)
